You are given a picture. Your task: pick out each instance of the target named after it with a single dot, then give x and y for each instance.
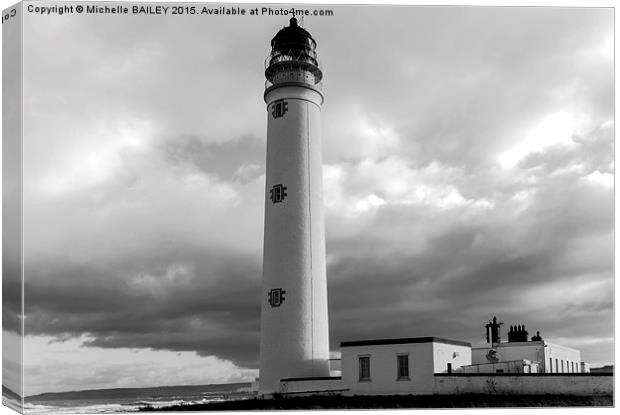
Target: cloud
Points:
(154, 248)
(539, 240)
(468, 172)
(76, 367)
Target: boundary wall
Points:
(583, 384)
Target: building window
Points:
(364, 368)
(449, 367)
(550, 365)
(402, 367)
(557, 366)
(562, 363)
(572, 367)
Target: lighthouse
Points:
(294, 321)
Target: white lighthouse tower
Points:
(294, 322)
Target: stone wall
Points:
(524, 384)
(312, 386)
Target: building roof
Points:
(407, 340)
(311, 378)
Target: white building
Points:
(294, 323)
(551, 357)
(431, 365)
(548, 357)
(399, 366)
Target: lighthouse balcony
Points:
(305, 61)
(294, 77)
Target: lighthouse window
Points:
(276, 297)
(402, 367)
(279, 108)
(277, 193)
(364, 368)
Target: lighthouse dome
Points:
(293, 48)
(294, 38)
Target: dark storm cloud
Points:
(473, 267)
(210, 310)
(11, 285)
(156, 257)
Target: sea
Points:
(132, 400)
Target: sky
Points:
(468, 173)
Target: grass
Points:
(398, 402)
